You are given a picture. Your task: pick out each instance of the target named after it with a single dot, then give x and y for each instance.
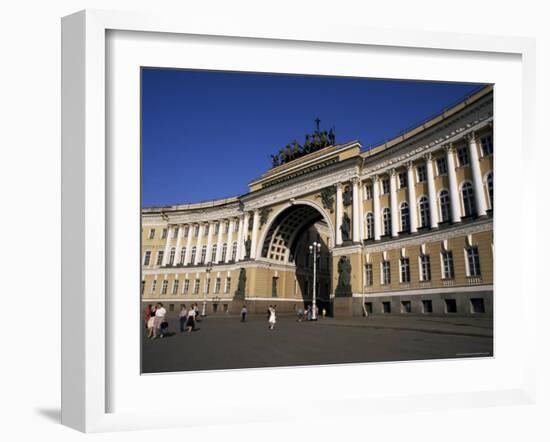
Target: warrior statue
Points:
(345, 228)
(344, 277)
(332, 137)
(275, 160)
(239, 293)
(307, 145)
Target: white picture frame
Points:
(85, 203)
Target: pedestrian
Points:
(244, 311)
(191, 314)
(197, 313)
(269, 312)
(316, 312)
(183, 318)
(272, 318)
(148, 314)
(309, 312)
(160, 321)
(324, 312)
(300, 314)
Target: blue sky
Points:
(206, 135)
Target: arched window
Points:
(172, 256)
(193, 254)
(182, 255)
(203, 255)
(224, 252)
(445, 205)
(424, 212)
(234, 251)
(489, 184)
(386, 214)
(370, 225)
(405, 225)
(213, 255)
(468, 199)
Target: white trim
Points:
(427, 291)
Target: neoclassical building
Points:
(405, 227)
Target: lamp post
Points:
(315, 249)
(206, 287)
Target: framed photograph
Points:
(262, 214)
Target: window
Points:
(424, 212)
(386, 274)
(147, 258)
(368, 191)
(207, 285)
(487, 145)
(468, 199)
(386, 307)
(448, 266)
(224, 252)
(160, 257)
(425, 268)
(213, 254)
(154, 286)
(203, 255)
(368, 275)
(206, 230)
(227, 284)
(406, 307)
(217, 285)
(387, 221)
(171, 307)
(152, 234)
(405, 226)
(164, 234)
(450, 306)
(185, 286)
(182, 254)
(193, 254)
(234, 251)
(370, 225)
(472, 255)
(196, 230)
(142, 287)
(175, 233)
(421, 172)
(236, 226)
(386, 186)
(427, 306)
(463, 156)
(186, 231)
(402, 180)
(477, 305)
(226, 227)
(368, 307)
(172, 256)
(175, 287)
(164, 287)
(405, 270)
(445, 205)
(489, 183)
(217, 228)
(441, 166)
(196, 286)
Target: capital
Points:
(354, 180)
(449, 148)
(338, 186)
(409, 165)
(470, 136)
(375, 178)
(428, 156)
(392, 172)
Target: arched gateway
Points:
(375, 256)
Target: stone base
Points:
(342, 307)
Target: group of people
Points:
(188, 317)
(308, 313)
(155, 321)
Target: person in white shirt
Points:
(160, 314)
(191, 319)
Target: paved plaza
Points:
(226, 343)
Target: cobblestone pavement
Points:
(226, 343)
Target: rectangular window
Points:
(171, 307)
(196, 286)
(217, 285)
(203, 255)
(368, 275)
(186, 287)
(160, 257)
(186, 231)
(386, 307)
(386, 186)
(425, 268)
(450, 306)
(217, 229)
(368, 307)
(368, 192)
(406, 307)
(474, 268)
(164, 234)
(213, 253)
(421, 172)
(236, 226)
(234, 252)
(207, 285)
(224, 252)
(405, 270)
(164, 287)
(147, 258)
(448, 265)
(226, 227)
(477, 305)
(227, 284)
(196, 230)
(142, 287)
(176, 231)
(206, 230)
(152, 234)
(386, 273)
(487, 145)
(402, 180)
(172, 256)
(154, 286)
(427, 306)
(441, 166)
(175, 287)
(463, 157)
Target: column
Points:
(188, 247)
(209, 241)
(240, 239)
(355, 207)
(255, 225)
(167, 247)
(481, 205)
(245, 235)
(453, 184)
(361, 213)
(411, 189)
(376, 206)
(393, 204)
(178, 245)
(199, 244)
(230, 239)
(431, 191)
(339, 212)
(221, 224)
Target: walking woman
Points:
(183, 318)
(272, 318)
(191, 318)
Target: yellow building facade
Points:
(405, 228)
